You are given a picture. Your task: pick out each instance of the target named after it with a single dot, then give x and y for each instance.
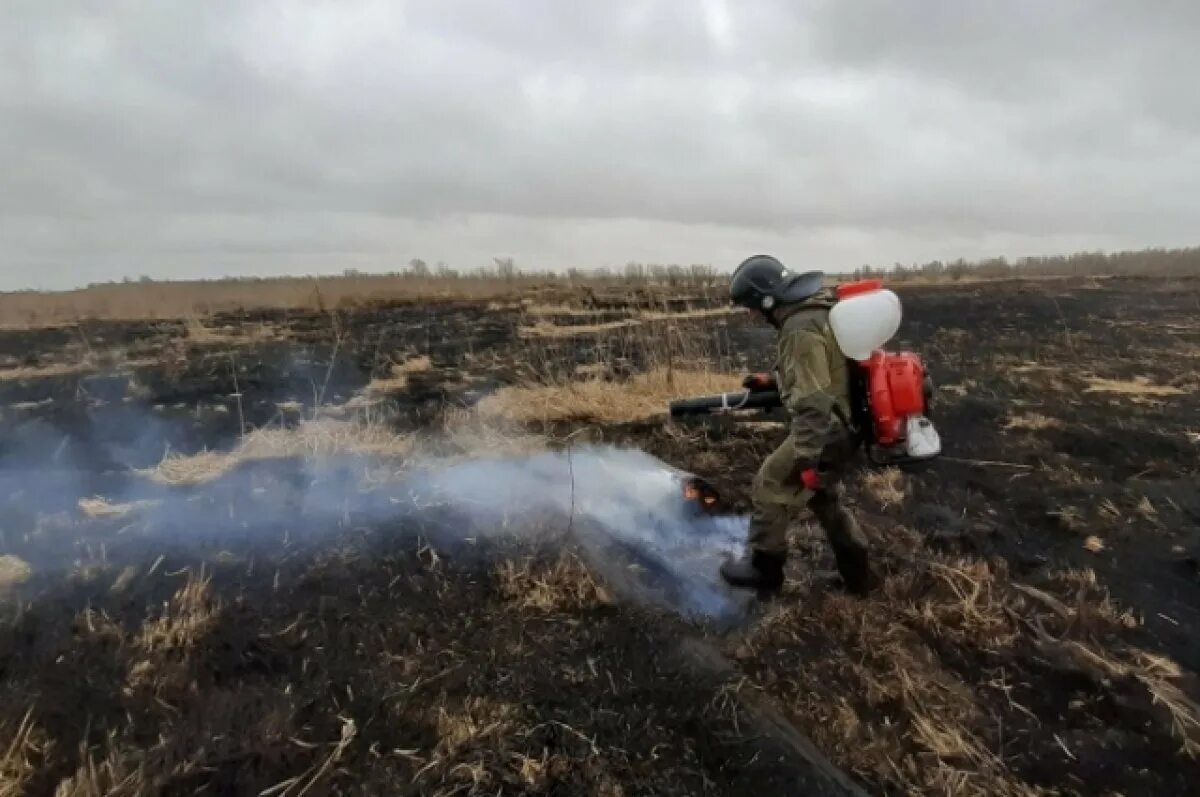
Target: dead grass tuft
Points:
(642, 396)
(13, 571)
(199, 334)
(468, 432)
(1184, 712)
(1032, 422)
(116, 774)
(1138, 386)
(546, 329)
(89, 362)
(1069, 517)
(46, 371)
(1032, 368)
(707, 312)
(191, 613)
(885, 486)
(564, 310)
(97, 507)
(19, 758)
(566, 585)
(321, 437)
(398, 374)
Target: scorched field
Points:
(442, 548)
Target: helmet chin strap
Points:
(768, 305)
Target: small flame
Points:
(699, 492)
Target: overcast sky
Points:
(204, 138)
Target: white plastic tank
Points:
(866, 316)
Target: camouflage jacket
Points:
(814, 381)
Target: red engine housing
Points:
(895, 391)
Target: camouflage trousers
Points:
(779, 496)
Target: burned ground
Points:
(1034, 630)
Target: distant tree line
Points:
(1158, 261)
(1149, 262)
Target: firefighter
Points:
(814, 385)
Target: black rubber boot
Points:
(847, 540)
(854, 567)
(756, 570)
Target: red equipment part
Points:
(896, 385)
(759, 382)
(848, 289)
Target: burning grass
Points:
(639, 397)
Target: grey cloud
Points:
(198, 138)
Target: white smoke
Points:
(623, 508)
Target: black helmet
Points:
(762, 283)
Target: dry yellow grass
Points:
(46, 371)
(1138, 386)
(567, 585)
(114, 359)
(885, 486)
(163, 300)
(189, 616)
(21, 747)
(200, 334)
(640, 397)
(398, 375)
(1032, 368)
(936, 732)
(546, 329)
(707, 312)
(1032, 422)
(532, 308)
(13, 571)
(320, 437)
(98, 507)
(466, 431)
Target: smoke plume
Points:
(623, 508)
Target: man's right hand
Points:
(759, 382)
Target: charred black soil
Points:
(1034, 631)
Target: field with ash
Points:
(443, 548)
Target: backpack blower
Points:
(891, 394)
